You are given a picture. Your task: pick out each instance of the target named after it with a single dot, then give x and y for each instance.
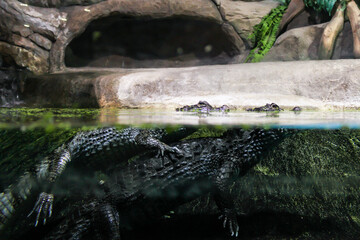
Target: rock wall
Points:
(332, 84)
(35, 34)
(303, 44)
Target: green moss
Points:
(265, 170)
(207, 131)
(42, 117)
(318, 176)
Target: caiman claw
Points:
(43, 207)
(230, 220)
(163, 148)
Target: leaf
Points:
(264, 34)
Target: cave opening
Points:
(125, 42)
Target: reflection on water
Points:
(12, 117)
(288, 183)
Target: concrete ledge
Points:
(333, 84)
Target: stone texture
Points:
(136, 43)
(24, 58)
(309, 84)
(306, 18)
(41, 41)
(245, 15)
(303, 43)
(21, 26)
(59, 3)
(80, 17)
(47, 31)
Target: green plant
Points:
(319, 5)
(264, 34)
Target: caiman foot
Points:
(166, 149)
(230, 221)
(43, 207)
(144, 139)
(163, 148)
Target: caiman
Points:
(90, 151)
(152, 184)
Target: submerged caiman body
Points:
(152, 184)
(88, 152)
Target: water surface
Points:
(12, 117)
(306, 188)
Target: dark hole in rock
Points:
(131, 42)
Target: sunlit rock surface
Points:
(244, 15)
(309, 84)
(303, 44)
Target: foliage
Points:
(321, 5)
(264, 34)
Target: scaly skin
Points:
(93, 150)
(203, 107)
(269, 107)
(207, 165)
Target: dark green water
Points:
(308, 187)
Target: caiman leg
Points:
(106, 223)
(295, 8)
(93, 219)
(145, 139)
(51, 169)
(224, 200)
(353, 13)
(331, 32)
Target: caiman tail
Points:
(13, 196)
